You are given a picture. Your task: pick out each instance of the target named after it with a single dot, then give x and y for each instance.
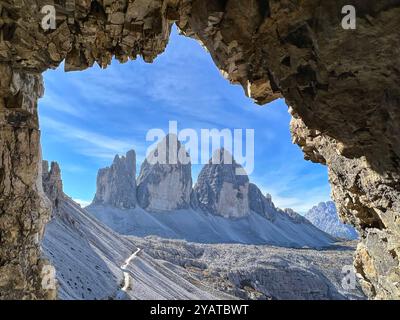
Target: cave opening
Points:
(97, 111)
(89, 118)
(299, 51)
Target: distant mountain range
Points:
(325, 217)
(222, 207)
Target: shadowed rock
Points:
(165, 179)
(261, 204)
(52, 184)
(219, 190)
(116, 185)
(344, 106)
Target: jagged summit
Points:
(52, 184)
(169, 151)
(234, 221)
(261, 204)
(223, 206)
(220, 190)
(325, 216)
(296, 217)
(224, 157)
(165, 179)
(116, 185)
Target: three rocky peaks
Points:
(222, 207)
(165, 184)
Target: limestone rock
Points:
(361, 193)
(261, 204)
(341, 84)
(165, 179)
(88, 256)
(52, 184)
(261, 272)
(24, 209)
(116, 185)
(220, 190)
(294, 216)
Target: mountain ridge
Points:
(325, 217)
(222, 207)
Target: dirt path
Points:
(127, 279)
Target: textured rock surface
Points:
(24, 209)
(88, 255)
(219, 190)
(264, 206)
(116, 185)
(325, 216)
(342, 84)
(203, 227)
(165, 179)
(52, 184)
(294, 216)
(261, 204)
(367, 199)
(164, 191)
(262, 272)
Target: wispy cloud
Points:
(52, 101)
(87, 142)
(93, 138)
(300, 197)
(294, 183)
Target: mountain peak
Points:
(261, 204)
(116, 185)
(52, 183)
(220, 190)
(325, 216)
(168, 151)
(222, 156)
(165, 179)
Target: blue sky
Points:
(88, 117)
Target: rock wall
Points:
(220, 190)
(342, 84)
(261, 204)
(116, 185)
(165, 179)
(24, 209)
(366, 199)
(52, 184)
